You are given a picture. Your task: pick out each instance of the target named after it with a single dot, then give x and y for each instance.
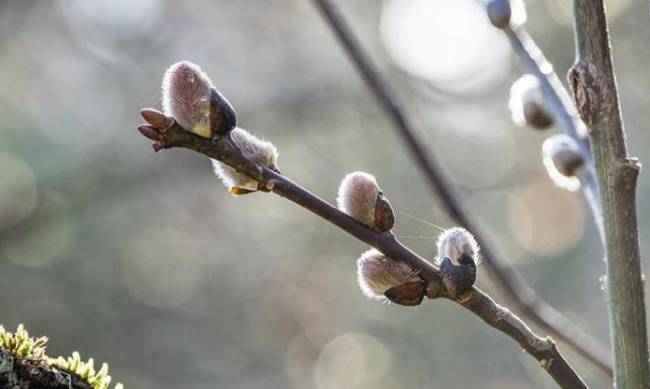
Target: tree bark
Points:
(595, 91)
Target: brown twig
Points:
(522, 296)
(170, 134)
(595, 91)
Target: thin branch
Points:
(521, 296)
(224, 150)
(595, 91)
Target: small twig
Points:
(523, 297)
(595, 91)
(224, 150)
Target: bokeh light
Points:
(106, 26)
(449, 43)
(162, 267)
(46, 236)
(352, 361)
(18, 192)
(477, 156)
(546, 220)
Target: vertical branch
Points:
(522, 296)
(595, 91)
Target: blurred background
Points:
(143, 260)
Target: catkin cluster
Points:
(385, 279)
(190, 98)
(561, 154)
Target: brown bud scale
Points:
(409, 294)
(156, 118)
(384, 216)
(536, 116)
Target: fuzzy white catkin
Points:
(551, 150)
(261, 151)
(357, 197)
(454, 242)
(186, 97)
(376, 273)
(525, 90)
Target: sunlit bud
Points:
(454, 242)
(562, 158)
(189, 97)
(385, 279)
(527, 103)
(458, 256)
(186, 97)
(260, 151)
(357, 197)
(360, 197)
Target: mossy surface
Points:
(25, 365)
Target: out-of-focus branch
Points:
(543, 349)
(559, 105)
(595, 91)
(521, 296)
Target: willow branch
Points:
(510, 283)
(224, 150)
(558, 103)
(596, 94)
